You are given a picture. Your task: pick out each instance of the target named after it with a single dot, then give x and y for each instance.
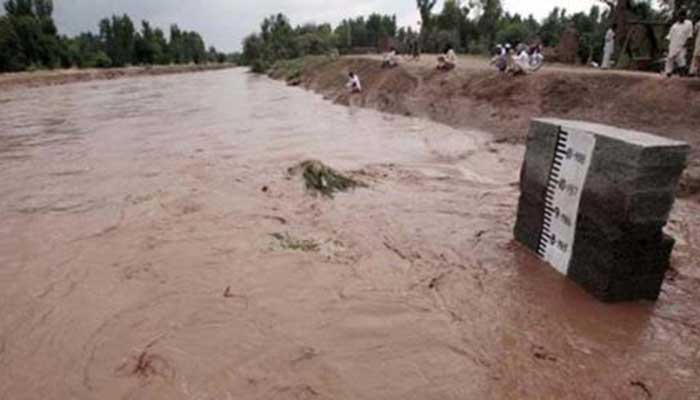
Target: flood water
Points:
(140, 258)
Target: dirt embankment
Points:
(476, 96)
(65, 76)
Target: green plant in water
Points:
(289, 243)
(323, 179)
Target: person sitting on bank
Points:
(447, 61)
(536, 57)
(354, 83)
(390, 59)
(519, 60)
(500, 59)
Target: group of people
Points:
(522, 59)
(446, 61)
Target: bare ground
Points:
(476, 96)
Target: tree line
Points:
(474, 26)
(29, 39)
(279, 40)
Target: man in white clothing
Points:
(447, 61)
(354, 83)
(390, 59)
(678, 37)
(609, 47)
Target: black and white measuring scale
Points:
(567, 177)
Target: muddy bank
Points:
(66, 76)
(475, 96)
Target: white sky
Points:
(224, 23)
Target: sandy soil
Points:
(65, 76)
(476, 96)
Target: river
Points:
(149, 249)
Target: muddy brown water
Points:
(140, 258)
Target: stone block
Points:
(622, 185)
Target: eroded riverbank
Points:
(474, 96)
(141, 258)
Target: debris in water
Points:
(147, 365)
(642, 386)
(265, 189)
(289, 243)
(323, 179)
(541, 354)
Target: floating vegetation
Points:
(288, 242)
(322, 179)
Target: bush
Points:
(101, 60)
(437, 41)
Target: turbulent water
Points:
(154, 246)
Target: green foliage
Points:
(12, 56)
(119, 39)
(491, 13)
(277, 41)
(425, 8)
(553, 26)
(29, 38)
(186, 47)
(451, 27)
(325, 180)
(149, 48)
(368, 33)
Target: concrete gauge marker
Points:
(594, 203)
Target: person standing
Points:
(695, 66)
(609, 48)
(678, 37)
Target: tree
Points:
(147, 49)
(454, 20)
(29, 38)
(118, 37)
(491, 13)
(19, 8)
(553, 26)
(314, 39)
(425, 8)
(33, 28)
(380, 27)
(163, 57)
(254, 53)
(12, 56)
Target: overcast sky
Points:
(224, 23)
